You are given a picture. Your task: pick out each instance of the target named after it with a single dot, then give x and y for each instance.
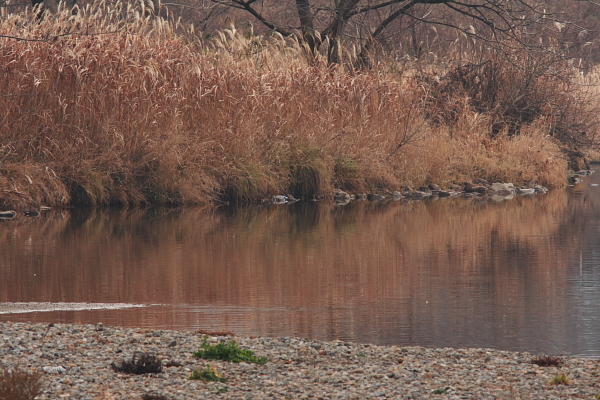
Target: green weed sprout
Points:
(228, 352)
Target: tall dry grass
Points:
(108, 107)
(16, 384)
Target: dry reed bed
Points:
(115, 109)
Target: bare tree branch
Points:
(323, 23)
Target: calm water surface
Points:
(516, 275)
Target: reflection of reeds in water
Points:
(306, 255)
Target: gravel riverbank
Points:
(74, 362)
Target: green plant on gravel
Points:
(228, 352)
(209, 373)
(440, 391)
(19, 385)
(561, 379)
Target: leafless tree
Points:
(503, 24)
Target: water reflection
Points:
(521, 274)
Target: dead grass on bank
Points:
(118, 109)
(19, 385)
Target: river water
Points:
(522, 274)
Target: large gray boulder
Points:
(497, 187)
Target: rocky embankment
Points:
(478, 187)
(75, 363)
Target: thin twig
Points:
(329, 140)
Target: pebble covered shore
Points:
(74, 362)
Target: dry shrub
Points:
(140, 363)
(516, 90)
(19, 385)
(123, 110)
(214, 333)
(150, 396)
(547, 361)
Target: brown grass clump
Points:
(561, 379)
(154, 397)
(547, 361)
(108, 108)
(19, 385)
(215, 333)
(140, 363)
